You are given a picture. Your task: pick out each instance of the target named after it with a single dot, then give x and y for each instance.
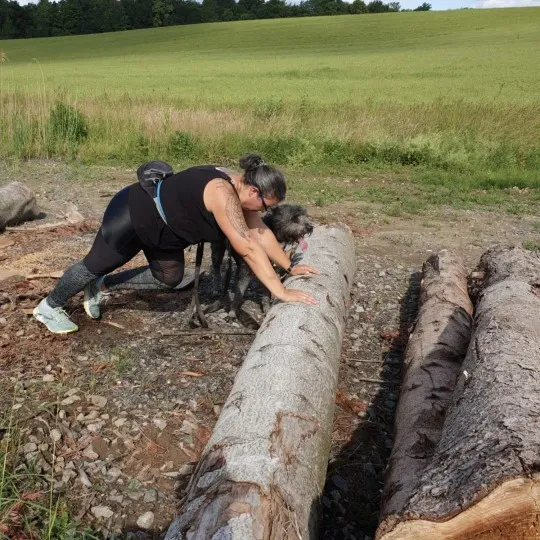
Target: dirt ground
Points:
(115, 415)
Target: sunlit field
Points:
(451, 91)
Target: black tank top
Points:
(189, 222)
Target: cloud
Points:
(506, 3)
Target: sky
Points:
(441, 5)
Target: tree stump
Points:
(263, 470)
(483, 481)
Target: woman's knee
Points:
(171, 277)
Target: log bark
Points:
(433, 358)
(483, 481)
(263, 470)
(17, 204)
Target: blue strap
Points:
(157, 202)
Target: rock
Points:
(160, 424)
(116, 498)
(48, 378)
(56, 435)
(98, 401)
(340, 482)
(29, 447)
(150, 496)
(90, 454)
(114, 472)
(186, 469)
(95, 428)
(120, 422)
(146, 520)
(102, 512)
(174, 474)
(83, 477)
(70, 400)
(188, 427)
(71, 392)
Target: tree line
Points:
(70, 17)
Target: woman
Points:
(199, 204)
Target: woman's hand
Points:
(295, 295)
(303, 269)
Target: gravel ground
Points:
(114, 417)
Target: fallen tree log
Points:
(483, 481)
(432, 363)
(263, 470)
(17, 204)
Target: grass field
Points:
(445, 91)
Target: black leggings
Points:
(117, 243)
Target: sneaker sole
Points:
(42, 320)
(87, 308)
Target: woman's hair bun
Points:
(250, 162)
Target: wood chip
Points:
(115, 324)
(191, 373)
(55, 275)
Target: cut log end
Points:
(512, 510)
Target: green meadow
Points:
(455, 93)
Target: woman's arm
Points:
(221, 199)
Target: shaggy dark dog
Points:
(289, 223)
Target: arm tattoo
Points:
(234, 214)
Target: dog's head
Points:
(289, 223)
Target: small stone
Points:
(114, 472)
(146, 520)
(85, 481)
(20, 333)
(48, 378)
(29, 447)
(98, 401)
(120, 422)
(102, 512)
(217, 410)
(56, 435)
(70, 400)
(360, 309)
(370, 469)
(95, 428)
(340, 482)
(187, 427)
(160, 424)
(150, 496)
(186, 469)
(116, 498)
(90, 454)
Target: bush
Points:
(67, 124)
(182, 145)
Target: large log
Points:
(17, 204)
(433, 358)
(483, 481)
(263, 470)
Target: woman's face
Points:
(251, 199)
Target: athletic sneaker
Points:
(55, 319)
(93, 295)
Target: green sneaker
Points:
(56, 320)
(93, 295)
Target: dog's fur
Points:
(289, 223)
(17, 204)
